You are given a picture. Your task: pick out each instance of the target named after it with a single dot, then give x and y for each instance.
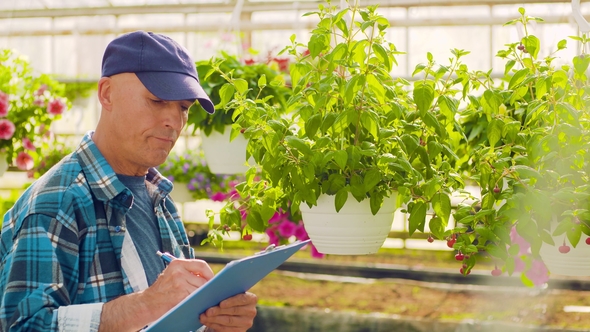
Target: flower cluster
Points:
(282, 227)
(537, 272)
(29, 103)
(191, 169)
(277, 63)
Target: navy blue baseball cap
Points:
(163, 66)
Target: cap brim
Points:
(176, 86)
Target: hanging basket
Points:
(223, 156)
(180, 193)
(576, 262)
(354, 230)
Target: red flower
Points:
(249, 62)
(27, 144)
(24, 161)
(56, 107)
(6, 129)
(4, 105)
(283, 63)
(306, 52)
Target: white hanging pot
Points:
(223, 156)
(180, 193)
(354, 230)
(576, 262)
(3, 163)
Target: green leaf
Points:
(508, 66)
(382, 55)
(340, 199)
(376, 87)
(298, 144)
(518, 77)
(581, 63)
(495, 128)
(441, 204)
(241, 85)
(312, 125)
(417, 218)
(423, 96)
(262, 81)
(226, 93)
(574, 234)
(317, 44)
(532, 45)
(352, 88)
(448, 106)
(371, 179)
(341, 157)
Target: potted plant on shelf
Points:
(29, 103)
(355, 138)
(224, 148)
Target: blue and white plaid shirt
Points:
(64, 248)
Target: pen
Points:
(166, 256)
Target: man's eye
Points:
(157, 101)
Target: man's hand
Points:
(177, 281)
(235, 314)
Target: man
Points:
(78, 250)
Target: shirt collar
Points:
(102, 178)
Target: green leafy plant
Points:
(245, 75)
(351, 129)
(29, 103)
(528, 144)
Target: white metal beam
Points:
(282, 25)
(185, 8)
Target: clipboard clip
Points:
(271, 247)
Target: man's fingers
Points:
(239, 300)
(195, 266)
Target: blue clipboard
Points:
(236, 277)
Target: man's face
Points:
(143, 127)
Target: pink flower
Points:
(218, 197)
(315, 253)
(277, 217)
(272, 236)
(56, 107)
(519, 264)
(41, 90)
(6, 129)
(522, 243)
(39, 102)
(286, 228)
(4, 104)
(300, 233)
(24, 161)
(27, 144)
(538, 273)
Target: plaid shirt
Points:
(64, 248)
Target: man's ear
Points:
(104, 93)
